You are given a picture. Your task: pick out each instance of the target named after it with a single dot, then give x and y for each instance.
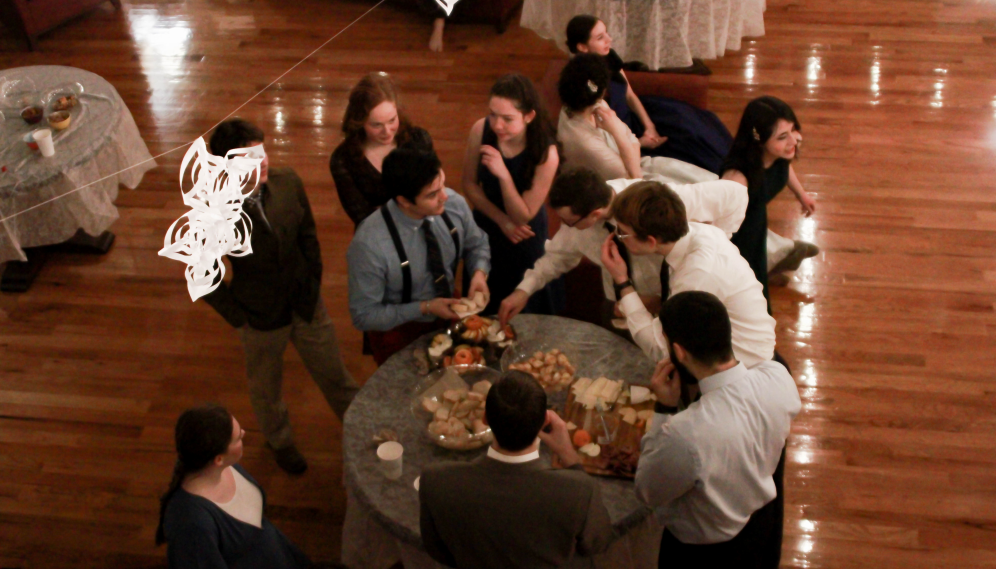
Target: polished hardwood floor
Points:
(891, 330)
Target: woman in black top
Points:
(761, 159)
(374, 125)
(510, 164)
(212, 515)
(665, 126)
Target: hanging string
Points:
(182, 146)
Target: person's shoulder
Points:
(773, 369)
(370, 231)
(187, 512)
(282, 172)
(478, 128)
(436, 477)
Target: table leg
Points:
(18, 275)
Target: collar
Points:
(722, 379)
(680, 249)
(401, 218)
(492, 453)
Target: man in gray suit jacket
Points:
(509, 508)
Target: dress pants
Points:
(757, 546)
(316, 342)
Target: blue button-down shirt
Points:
(375, 278)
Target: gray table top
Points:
(385, 402)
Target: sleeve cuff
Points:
(530, 284)
(631, 303)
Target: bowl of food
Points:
(32, 115)
(59, 120)
(451, 401)
(552, 366)
(64, 102)
(445, 350)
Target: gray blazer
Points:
(490, 514)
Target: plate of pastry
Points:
(470, 305)
(552, 366)
(451, 401)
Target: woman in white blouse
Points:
(593, 136)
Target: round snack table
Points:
(382, 515)
(100, 147)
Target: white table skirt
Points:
(102, 143)
(660, 33)
(367, 545)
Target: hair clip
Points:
(757, 136)
(592, 87)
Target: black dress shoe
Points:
(289, 459)
(800, 252)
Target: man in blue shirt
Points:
(402, 261)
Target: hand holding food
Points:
(558, 439)
(441, 307)
(469, 306)
(512, 306)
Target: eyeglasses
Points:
(620, 235)
(576, 221)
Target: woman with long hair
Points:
(766, 143)
(374, 124)
(664, 126)
(511, 160)
(212, 514)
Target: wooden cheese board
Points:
(619, 457)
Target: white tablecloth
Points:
(660, 33)
(101, 141)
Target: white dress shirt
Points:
(705, 260)
(508, 459)
(708, 468)
(721, 203)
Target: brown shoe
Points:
(800, 252)
(289, 459)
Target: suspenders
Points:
(399, 246)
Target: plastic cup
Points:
(389, 454)
(44, 139)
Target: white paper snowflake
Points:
(212, 228)
(447, 5)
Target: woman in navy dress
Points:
(767, 142)
(511, 161)
(665, 127)
(212, 515)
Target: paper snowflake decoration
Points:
(216, 225)
(447, 5)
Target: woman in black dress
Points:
(212, 515)
(767, 142)
(510, 164)
(665, 127)
(374, 124)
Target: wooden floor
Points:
(890, 331)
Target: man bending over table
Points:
(651, 220)
(509, 508)
(403, 259)
(713, 472)
(582, 199)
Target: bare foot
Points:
(436, 40)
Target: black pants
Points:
(757, 546)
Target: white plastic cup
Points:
(44, 139)
(389, 454)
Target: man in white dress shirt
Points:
(713, 472)
(582, 198)
(651, 220)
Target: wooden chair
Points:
(584, 284)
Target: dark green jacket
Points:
(283, 274)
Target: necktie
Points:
(665, 281)
(623, 251)
(436, 266)
(256, 201)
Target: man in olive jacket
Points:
(510, 508)
(274, 297)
